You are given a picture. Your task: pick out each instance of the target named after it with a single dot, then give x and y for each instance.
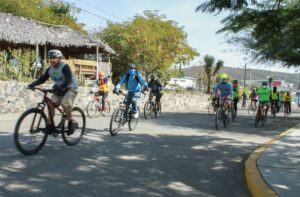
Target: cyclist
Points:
(244, 96)
(282, 100)
(223, 90)
(275, 99)
(236, 95)
(103, 88)
(287, 101)
(254, 98)
(264, 93)
(156, 87)
(65, 87)
(135, 83)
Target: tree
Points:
(210, 69)
(268, 30)
(151, 41)
(48, 11)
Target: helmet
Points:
(132, 65)
(101, 74)
(54, 53)
(223, 76)
(264, 83)
(153, 77)
(235, 81)
(254, 89)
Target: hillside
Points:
(256, 74)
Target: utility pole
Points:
(245, 68)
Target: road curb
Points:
(256, 183)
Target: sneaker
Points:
(51, 129)
(136, 115)
(71, 127)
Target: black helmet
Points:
(264, 83)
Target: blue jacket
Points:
(225, 89)
(133, 84)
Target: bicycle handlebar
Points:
(43, 90)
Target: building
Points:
(19, 32)
(184, 82)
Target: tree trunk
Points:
(208, 84)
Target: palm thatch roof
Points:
(21, 30)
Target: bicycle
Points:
(212, 107)
(120, 118)
(286, 109)
(94, 107)
(273, 109)
(152, 106)
(40, 127)
(223, 114)
(261, 115)
(252, 107)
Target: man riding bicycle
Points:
(288, 101)
(65, 87)
(156, 87)
(254, 98)
(135, 83)
(275, 99)
(264, 93)
(224, 91)
(236, 94)
(103, 88)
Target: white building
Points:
(184, 82)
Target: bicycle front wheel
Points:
(133, 122)
(78, 118)
(157, 110)
(219, 118)
(116, 121)
(93, 109)
(148, 109)
(31, 131)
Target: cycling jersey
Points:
(225, 89)
(103, 85)
(264, 94)
(275, 96)
(155, 86)
(134, 85)
(236, 90)
(62, 76)
(288, 98)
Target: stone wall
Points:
(15, 98)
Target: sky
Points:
(201, 28)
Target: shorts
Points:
(67, 99)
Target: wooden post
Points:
(45, 57)
(97, 58)
(36, 60)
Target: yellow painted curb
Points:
(256, 183)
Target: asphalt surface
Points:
(179, 154)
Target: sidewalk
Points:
(278, 165)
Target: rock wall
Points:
(15, 98)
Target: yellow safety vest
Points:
(274, 96)
(288, 98)
(103, 86)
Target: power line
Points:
(98, 9)
(89, 12)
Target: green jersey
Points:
(264, 94)
(236, 91)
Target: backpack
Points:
(136, 77)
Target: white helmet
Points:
(54, 53)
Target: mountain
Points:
(256, 74)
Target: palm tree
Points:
(210, 69)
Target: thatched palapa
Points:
(24, 31)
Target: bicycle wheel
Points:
(116, 121)
(78, 118)
(148, 109)
(133, 122)
(210, 109)
(157, 110)
(233, 115)
(92, 109)
(31, 133)
(219, 118)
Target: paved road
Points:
(179, 154)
